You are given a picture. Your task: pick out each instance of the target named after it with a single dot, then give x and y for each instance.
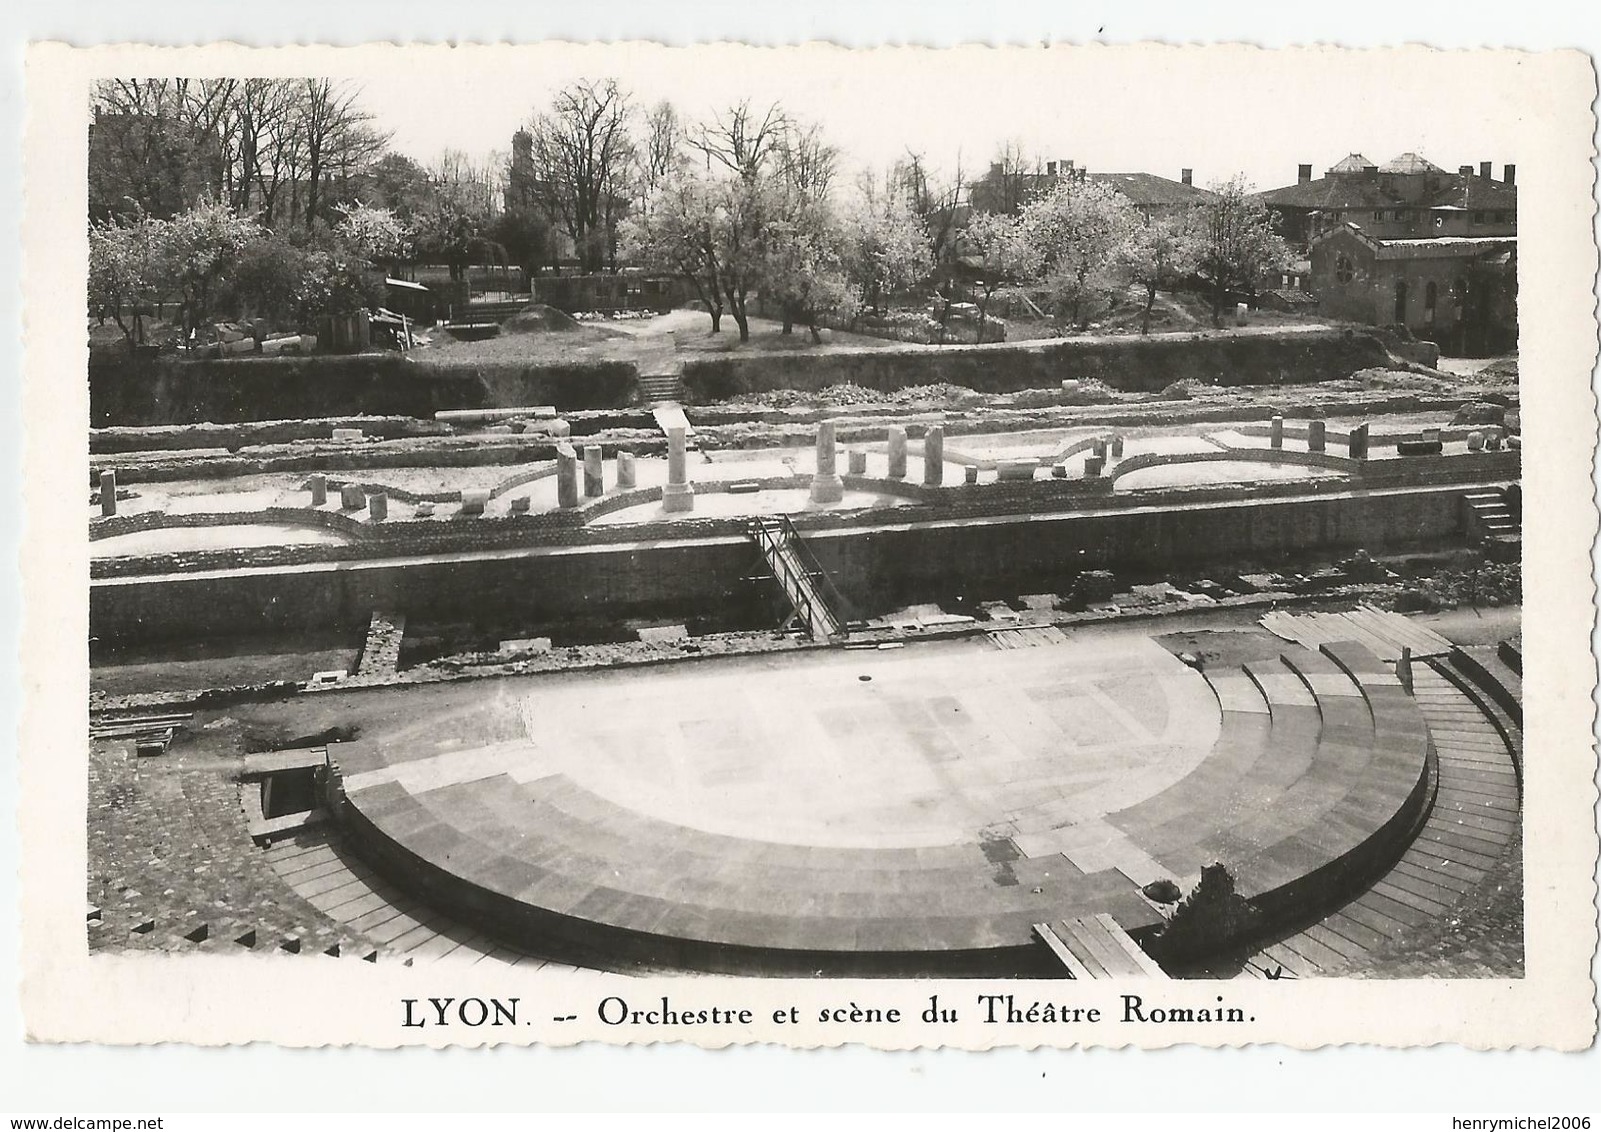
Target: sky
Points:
(1219, 111)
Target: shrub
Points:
(1211, 918)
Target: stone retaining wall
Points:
(1131, 364)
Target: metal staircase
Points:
(817, 603)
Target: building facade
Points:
(1457, 291)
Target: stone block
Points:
(348, 434)
(423, 510)
(627, 474)
(242, 346)
(1117, 447)
(518, 505)
(857, 462)
(1093, 466)
(1492, 441)
(594, 473)
(559, 427)
(319, 490)
(378, 506)
(474, 500)
(1059, 471)
(1316, 436)
(1358, 442)
(1013, 470)
(970, 474)
(108, 494)
(744, 487)
(1275, 436)
(1475, 441)
(352, 497)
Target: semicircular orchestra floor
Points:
(917, 809)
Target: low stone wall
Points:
(148, 438)
(114, 525)
(1143, 460)
(1131, 364)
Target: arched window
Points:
(1343, 271)
(1400, 301)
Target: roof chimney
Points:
(1484, 169)
(1464, 170)
(1509, 174)
(1303, 174)
(1187, 176)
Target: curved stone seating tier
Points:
(549, 858)
(1319, 770)
(1318, 776)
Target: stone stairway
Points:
(659, 388)
(1472, 825)
(380, 656)
(396, 926)
(1492, 522)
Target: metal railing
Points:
(799, 576)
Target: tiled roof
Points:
(1354, 163)
(1440, 247)
(1149, 189)
(1409, 163)
(1431, 247)
(1333, 193)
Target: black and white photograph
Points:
(675, 533)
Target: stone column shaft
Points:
(566, 476)
(826, 484)
(934, 456)
(678, 495)
(897, 452)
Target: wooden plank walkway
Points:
(340, 886)
(1097, 947)
(1477, 811)
(1030, 636)
(1384, 633)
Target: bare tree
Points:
(582, 151)
(661, 150)
(338, 138)
(740, 142)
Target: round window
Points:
(1343, 271)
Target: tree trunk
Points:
(817, 337)
(717, 320)
(789, 320)
(1150, 301)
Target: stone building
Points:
(1459, 291)
(1003, 190)
(1407, 197)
